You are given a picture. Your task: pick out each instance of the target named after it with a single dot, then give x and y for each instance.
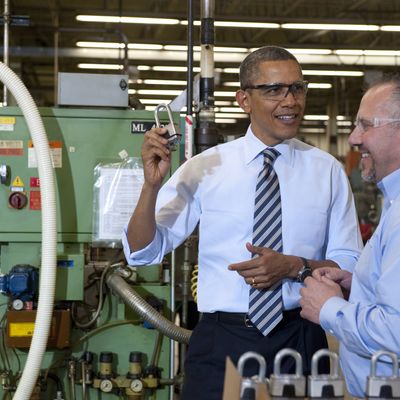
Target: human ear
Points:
(243, 100)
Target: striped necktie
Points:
(265, 305)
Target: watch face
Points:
(306, 272)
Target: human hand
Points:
(314, 295)
(156, 156)
(340, 276)
(264, 270)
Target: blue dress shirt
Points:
(370, 320)
(216, 189)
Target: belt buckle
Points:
(247, 322)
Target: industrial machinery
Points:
(99, 345)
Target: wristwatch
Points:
(304, 271)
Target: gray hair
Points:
(388, 79)
(249, 68)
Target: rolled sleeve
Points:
(146, 256)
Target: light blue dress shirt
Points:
(216, 189)
(370, 320)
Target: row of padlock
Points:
(321, 386)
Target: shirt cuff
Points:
(346, 262)
(146, 256)
(328, 315)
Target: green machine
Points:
(99, 348)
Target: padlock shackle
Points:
(334, 370)
(284, 353)
(393, 356)
(259, 358)
(160, 107)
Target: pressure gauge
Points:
(106, 386)
(136, 385)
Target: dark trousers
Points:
(216, 336)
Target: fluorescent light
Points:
(164, 82)
(116, 45)
(316, 117)
(248, 24)
(321, 72)
(331, 27)
(319, 85)
(144, 46)
(223, 103)
(103, 45)
(225, 120)
(100, 66)
(152, 101)
(304, 51)
(143, 67)
(310, 51)
(172, 68)
(127, 20)
(390, 28)
(231, 109)
(344, 123)
(230, 70)
(359, 52)
(312, 130)
(224, 94)
(311, 117)
(231, 115)
(159, 92)
(234, 84)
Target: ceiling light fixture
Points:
(127, 20)
(100, 66)
(331, 27)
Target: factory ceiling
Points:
(44, 42)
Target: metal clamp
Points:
(173, 134)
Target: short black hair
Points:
(248, 70)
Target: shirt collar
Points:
(254, 146)
(390, 187)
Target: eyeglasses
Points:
(365, 124)
(278, 91)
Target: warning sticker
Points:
(11, 148)
(7, 123)
(17, 182)
(55, 152)
(34, 182)
(34, 200)
(19, 329)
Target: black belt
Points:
(243, 319)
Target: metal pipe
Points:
(189, 92)
(6, 19)
(206, 130)
(133, 300)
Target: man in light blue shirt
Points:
(369, 320)
(216, 189)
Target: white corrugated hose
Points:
(49, 232)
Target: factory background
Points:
(97, 70)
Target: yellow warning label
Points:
(17, 182)
(21, 329)
(7, 120)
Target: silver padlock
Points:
(325, 385)
(173, 135)
(382, 386)
(248, 385)
(287, 385)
